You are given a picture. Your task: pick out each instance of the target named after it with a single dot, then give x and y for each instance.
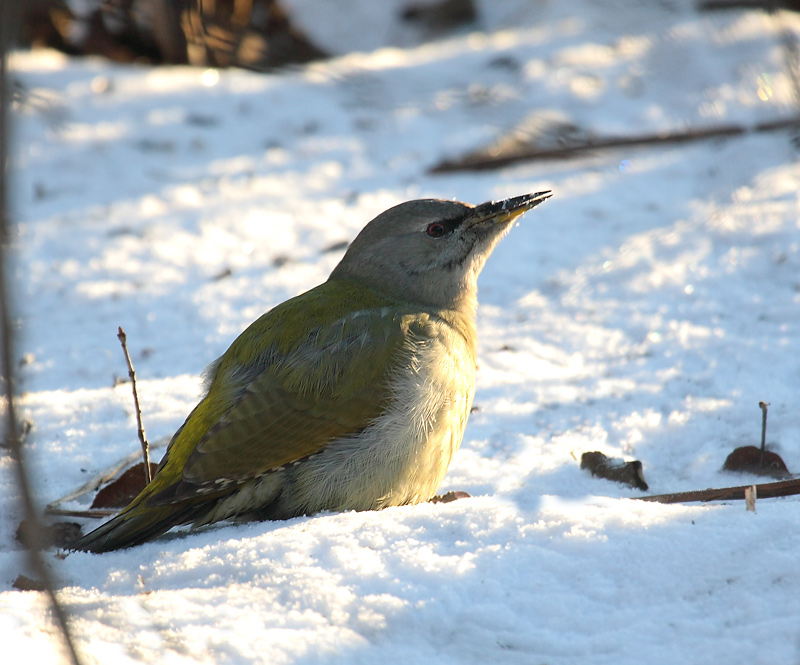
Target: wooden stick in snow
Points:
(764, 491)
(142, 437)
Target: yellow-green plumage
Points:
(353, 395)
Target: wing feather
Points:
(331, 384)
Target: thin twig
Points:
(140, 428)
(34, 542)
(484, 159)
(763, 406)
(765, 491)
(89, 514)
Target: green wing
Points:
(302, 375)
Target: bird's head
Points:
(431, 251)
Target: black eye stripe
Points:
(443, 226)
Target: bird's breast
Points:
(403, 455)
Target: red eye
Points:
(435, 230)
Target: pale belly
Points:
(403, 456)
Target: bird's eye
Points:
(435, 230)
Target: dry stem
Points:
(765, 491)
(142, 437)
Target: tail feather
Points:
(136, 525)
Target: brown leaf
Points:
(120, 492)
(449, 497)
(25, 583)
(747, 459)
(58, 534)
(627, 473)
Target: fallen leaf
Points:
(620, 471)
(747, 459)
(120, 492)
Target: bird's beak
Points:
(508, 209)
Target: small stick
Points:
(750, 494)
(484, 160)
(763, 406)
(142, 437)
(765, 491)
(9, 26)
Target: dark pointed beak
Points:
(508, 209)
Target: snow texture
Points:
(643, 311)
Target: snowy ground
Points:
(643, 311)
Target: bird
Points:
(351, 396)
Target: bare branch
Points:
(123, 339)
(765, 491)
(34, 541)
(489, 159)
(763, 406)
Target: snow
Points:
(643, 311)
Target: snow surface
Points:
(643, 311)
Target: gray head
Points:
(430, 251)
